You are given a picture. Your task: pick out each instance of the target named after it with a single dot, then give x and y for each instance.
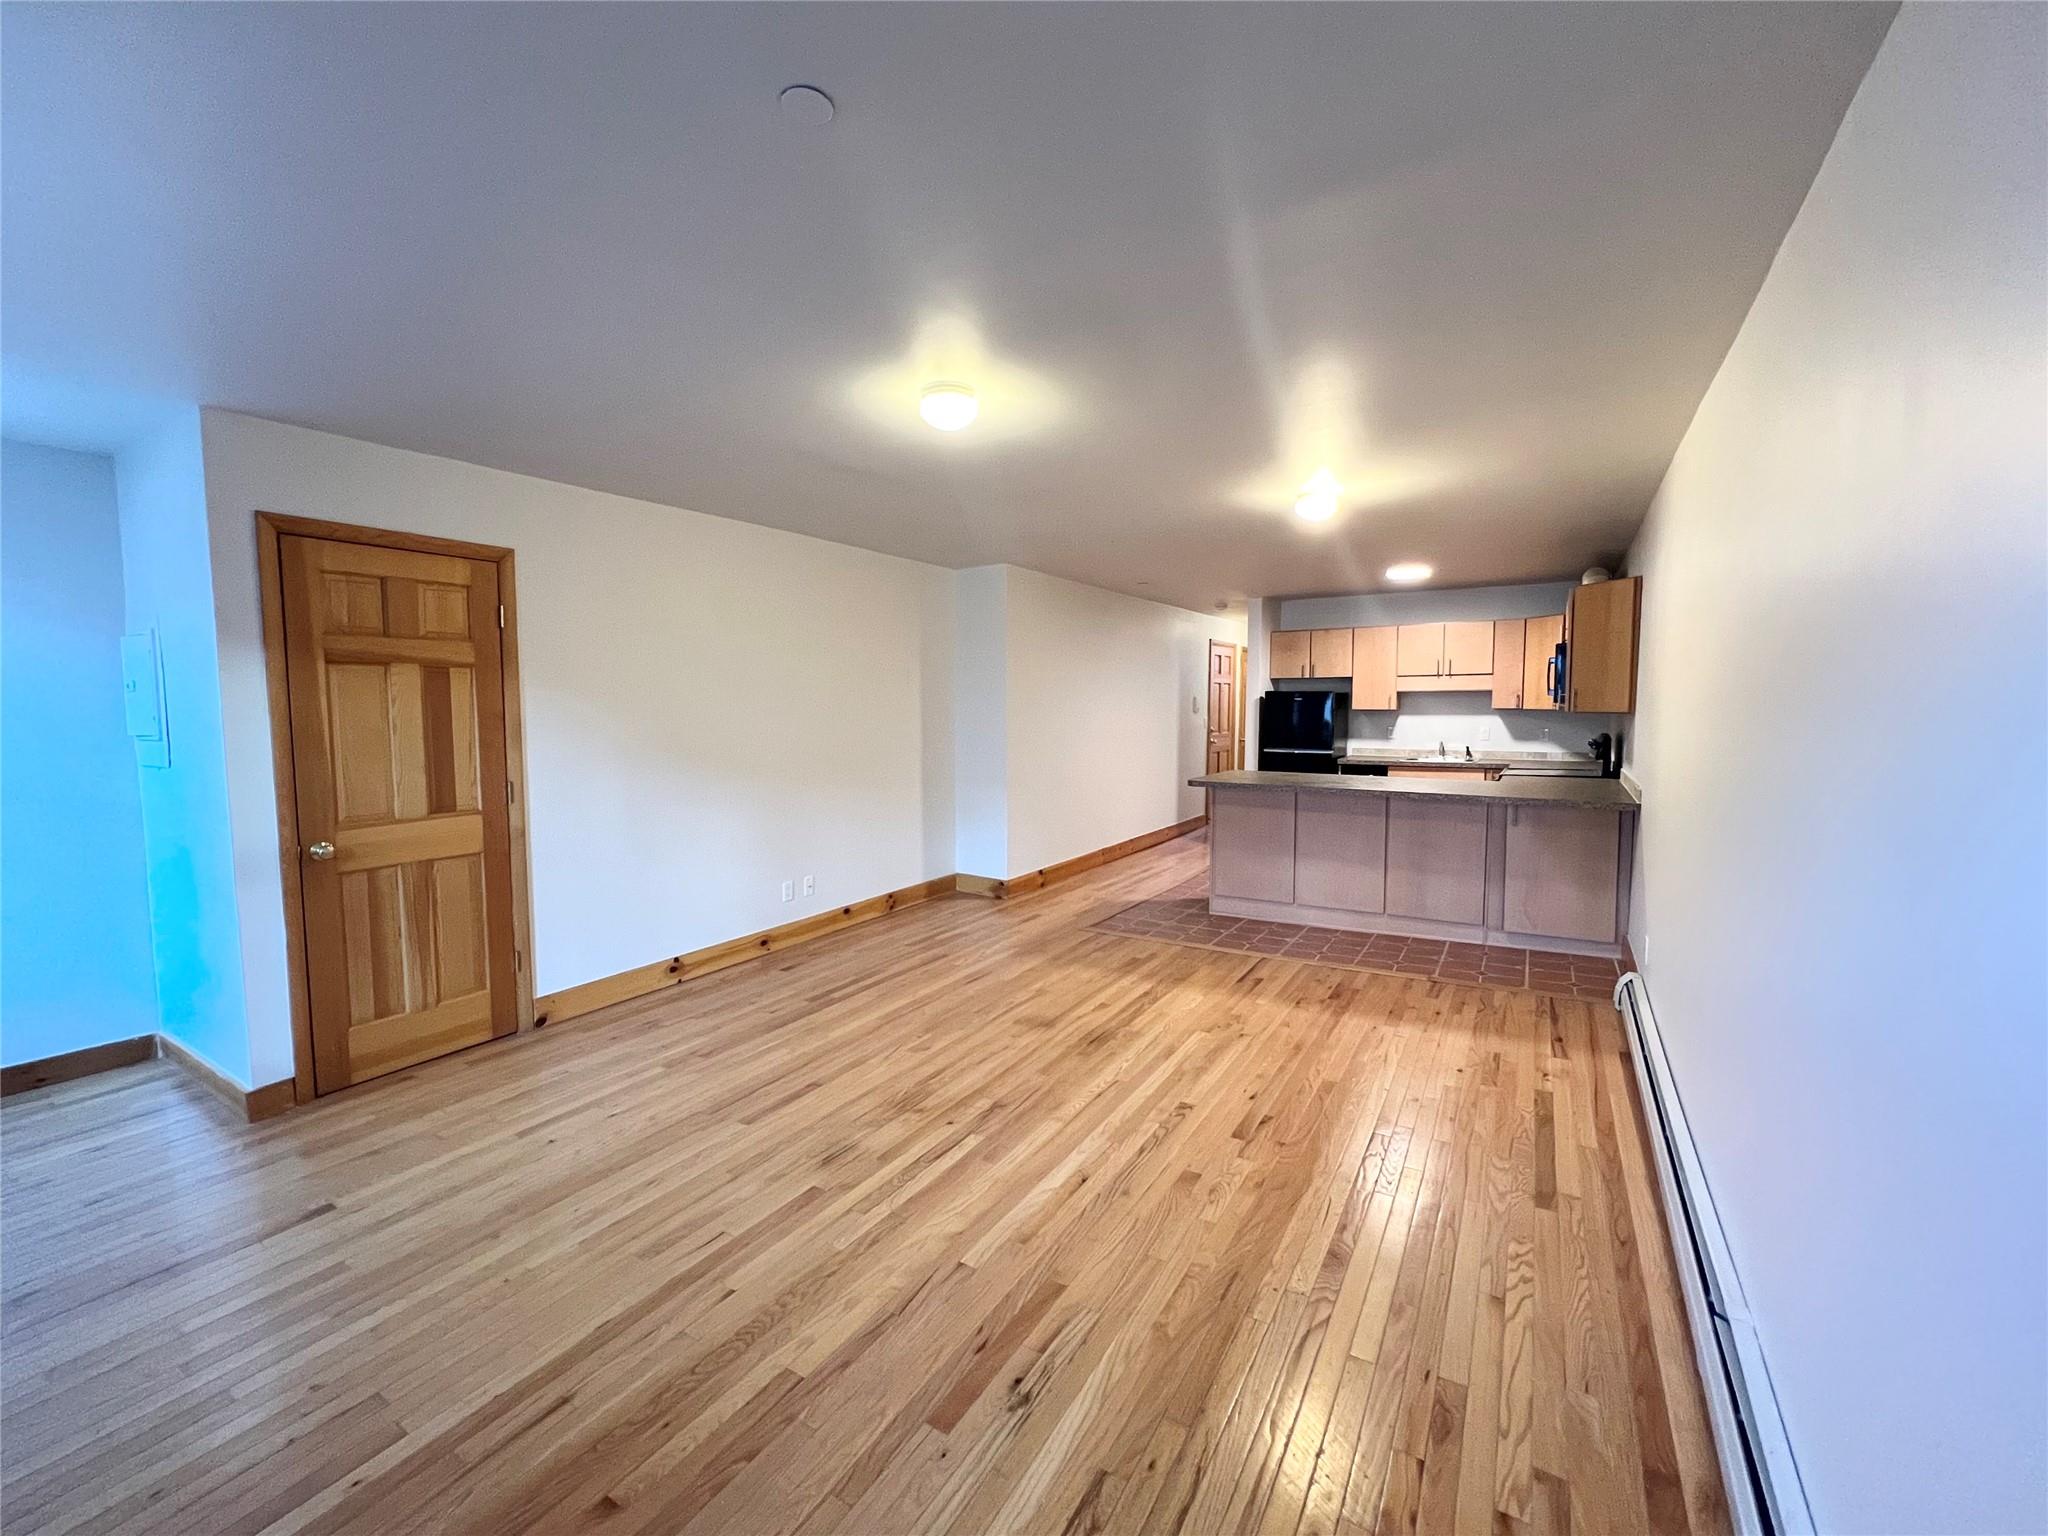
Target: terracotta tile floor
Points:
(1182, 916)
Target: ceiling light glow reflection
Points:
(948, 354)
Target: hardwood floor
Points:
(970, 1220)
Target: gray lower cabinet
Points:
(1436, 860)
(1340, 851)
(1562, 867)
(1251, 844)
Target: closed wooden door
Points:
(1223, 715)
(393, 660)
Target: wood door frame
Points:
(271, 527)
(1244, 670)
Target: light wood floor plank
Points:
(971, 1220)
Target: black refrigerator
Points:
(1298, 731)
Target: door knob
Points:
(321, 850)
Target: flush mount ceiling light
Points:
(805, 104)
(948, 407)
(1317, 502)
(1408, 572)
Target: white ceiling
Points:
(1481, 260)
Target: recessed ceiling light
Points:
(1317, 502)
(949, 407)
(805, 104)
(1408, 572)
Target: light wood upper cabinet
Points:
(1468, 649)
(1508, 680)
(1419, 650)
(1329, 653)
(1539, 648)
(1374, 682)
(1290, 653)
(1463, 649)
(1600, 646)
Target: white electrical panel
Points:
(142, 699)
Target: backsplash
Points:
(1464, 720)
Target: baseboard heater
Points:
(1765, 1495)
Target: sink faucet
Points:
(1468, 754)
(1442, 750)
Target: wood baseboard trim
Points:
(68, 1065)
(1066, 869)
(589, 996)
(252, 1104)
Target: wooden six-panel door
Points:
(1223, 714)
(394, 665)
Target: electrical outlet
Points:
(810, 885)
(1485, 731)
(789, 890)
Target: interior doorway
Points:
(394, 718)
(1226, 713)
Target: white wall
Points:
(1106, 715)
(981, 791)
(711, 708)
(75, 965)
(1081, 714)
(1844, 932)
(195, 902)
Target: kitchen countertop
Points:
(1610, 794)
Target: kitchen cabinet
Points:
(1374, 682)
(1461, 649)
(1251, 836)
(1468, 649)
(1477, 863)
(1508, 637)
(1600, 624)
(1340, 852)
(1540, 638)
(1419, 650)
(1436, 860)
(1329, 653)
(1289, 653)
(1562, 865)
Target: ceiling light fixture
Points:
(1317, 502)
(948, 407)
(805, 104)
(1408, 572)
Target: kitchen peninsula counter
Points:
(1534, 862)
(1566, 789)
